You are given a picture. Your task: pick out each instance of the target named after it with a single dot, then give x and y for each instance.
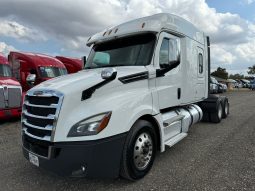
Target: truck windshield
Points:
(5, 70)
(129, 51)
(52, 72)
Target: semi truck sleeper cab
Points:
(31, 69)
(72, 65)
(144, 85)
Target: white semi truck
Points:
(144, 84)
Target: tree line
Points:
(222, 73)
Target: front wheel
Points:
(139, 151)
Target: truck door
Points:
(168, 85)
(200, 85)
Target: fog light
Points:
(80, 172)
(83, 168)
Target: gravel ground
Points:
(212, 157)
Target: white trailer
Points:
(145, 83)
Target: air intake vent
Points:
(134, 77)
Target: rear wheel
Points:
(139, 151)
(206, 116)
(225, 106)
(217, 116)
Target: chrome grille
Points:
(40, 113)
(2, 98)
(10, 96)
(14, 96)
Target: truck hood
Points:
(86, 79)
(9, 81)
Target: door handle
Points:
(179, 93)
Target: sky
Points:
(63, 27)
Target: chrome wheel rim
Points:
(143, 150)
(220, 112)
(226, 108)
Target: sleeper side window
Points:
(200, 63)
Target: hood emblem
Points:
(38, 93)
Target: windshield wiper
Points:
(105, 66)
(109, 65)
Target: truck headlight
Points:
(90, 126)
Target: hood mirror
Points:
(31, 79)
(109, 73)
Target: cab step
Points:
(171, 142)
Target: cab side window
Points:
(169, 51)
(174, 45)
(164, 52)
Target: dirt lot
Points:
(213, 157)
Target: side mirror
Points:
(164, 68)
(31, 79)
(84, 59)
(109, 73)
(171, 65)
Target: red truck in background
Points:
(31, 69)
(72, 65)
(10, 92)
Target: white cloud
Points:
(248, 1)
(252, 29)
(5, 49)
(72, 23)
(222, 56)
(68, 20)
(234, 29)
(13, 29)
(246, 51)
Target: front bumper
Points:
(10, 113)
(99, 158)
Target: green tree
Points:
(221, 73)
(236, 76)
(251, 70)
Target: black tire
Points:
(217, 116)
(206, 117)
(225, 110)
(129, 169)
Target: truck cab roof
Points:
(37, 59)
(72, 64)
(154, 24)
